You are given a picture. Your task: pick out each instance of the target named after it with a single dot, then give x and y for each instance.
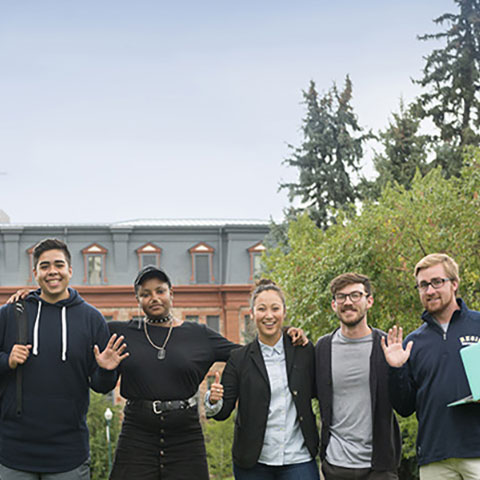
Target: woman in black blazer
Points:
(275, 429)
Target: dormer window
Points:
(255, 252)
(148, 254)
(94, 259)
(202, 263)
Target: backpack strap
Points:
(22, 336)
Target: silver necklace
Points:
(162, 352)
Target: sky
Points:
(115, 110)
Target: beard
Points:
(439, 305)
(353, 322)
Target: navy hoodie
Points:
(432, 378)
(51, 435)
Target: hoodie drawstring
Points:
(64, 334)
(35, 329)
(64, 331)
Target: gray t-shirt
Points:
(350, 442)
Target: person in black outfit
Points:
(161, 435)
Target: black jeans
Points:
(332, 472)
(167, 446)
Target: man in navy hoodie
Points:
(427, 374)
(48, 440)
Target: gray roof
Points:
(189, 222)
(150, 222)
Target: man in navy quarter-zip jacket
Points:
(48, 439)
(427, 374)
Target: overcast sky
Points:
(122, 109)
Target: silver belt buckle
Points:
(156, 407)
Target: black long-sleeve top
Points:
(190, 352)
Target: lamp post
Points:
(108, 418)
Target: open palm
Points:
(113, 354)
(395, 354)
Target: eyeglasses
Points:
(353, 296)
(436, 283)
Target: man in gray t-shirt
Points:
(360, 434)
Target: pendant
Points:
(161, 353)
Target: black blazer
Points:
(245, 378)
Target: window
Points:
(148, 254)
(148, 259)
(94, 264)
(257, 264)
(255, 252)
(94, 269)
(202, 270)
(191, 318)
(202, 263)
(213, 321)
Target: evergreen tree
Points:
(404, 151)
(452, 76)
(331, 151)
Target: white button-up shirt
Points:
(283, 443)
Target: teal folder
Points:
(471, 363)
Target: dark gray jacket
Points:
(387, 441)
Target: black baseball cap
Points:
(150, 271)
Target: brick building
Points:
(212, 264)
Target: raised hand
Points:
(393, 350)
(216, 390)
(18, 355)
(113, 354)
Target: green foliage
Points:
(218, 440)
(404, 152)
(97, 427)
(330, 152)
(384, 241)
(452, 78)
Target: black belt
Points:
(159, 406)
